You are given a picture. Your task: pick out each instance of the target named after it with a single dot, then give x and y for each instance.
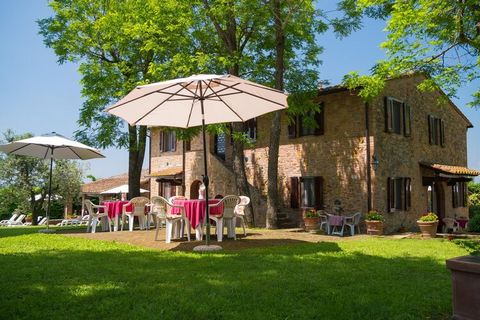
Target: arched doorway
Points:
(194, 189)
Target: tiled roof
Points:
(171, 171)
(456, 170)
(98, 186)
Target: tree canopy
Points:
(438, 38)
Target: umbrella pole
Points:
(205, 177)
(49, 190)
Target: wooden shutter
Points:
(292, 128)
(320, 120)
(390, 194)
(406, 120)
(319, 193)
(162, 141)
(431, 129)
(465, 194)
(442, 133)
(188, 145)
(388, 115)
(407, 191)
(294, 194)
(454, 196)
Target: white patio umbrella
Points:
(198, 100)
(51, 146)
(121, 189)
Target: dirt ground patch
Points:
(254, 238)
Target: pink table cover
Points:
(195, 209)
(462, 222)
(335, 220)
(115, 208)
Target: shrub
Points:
(472, 246)
(474, 223)
(429, 217)
(373, 215)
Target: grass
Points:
(56, 277)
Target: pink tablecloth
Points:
(195, 209)
(115, 208)
(462, 222)
(335, 220)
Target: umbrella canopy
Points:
(177, 103)
(121, 189)
(198, 100)
(51, 146)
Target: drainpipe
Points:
(150, 159)
(369, 167)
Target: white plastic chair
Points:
(156, 207)
(17, 222)
(94, 216)
(449, 223)
(164, 209)
(43, 221)
(352, 222)
(173, 198)
(324, 222)
(7, 221)
(229, 203)
(240, 211)
(138, 210)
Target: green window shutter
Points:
(162, 141)
(431, 129)
(292, 128)
(319, 193)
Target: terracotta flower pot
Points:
(465, 288)
(374, 227)
(312, 224)
(428, 228)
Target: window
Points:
(399, 194)
(298, 128)
(397, 117)
(459, 194)
(168, 189)
(251, 129)
(306, 192)
(188, 145)
(436, 131)
(219, 145)
(168, 141)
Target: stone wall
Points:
(399, 156)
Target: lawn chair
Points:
(94, 216)
(352, 222)
(18, 221)
(43, 221)
(240, 211)
(138, 210)
(156, 208)
(324, 222)
(228, 215)
(450, 224)
(164, 209)
(12, 218)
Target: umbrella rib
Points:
(20, 148)
(191, 108)
(253, 84)
(46, 153)
(221, 90)
(208, 85)
(79, 157)
(161, 103)
(147, 94)
(251, 94)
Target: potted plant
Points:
(428, 225)
(311, 219)
(374, 221)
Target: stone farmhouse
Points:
(404, 154)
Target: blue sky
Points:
(38, 95)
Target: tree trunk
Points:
(136, 154)
(238, 166)
(273, 149)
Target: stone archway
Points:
(194, 189)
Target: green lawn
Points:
(56, 277)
